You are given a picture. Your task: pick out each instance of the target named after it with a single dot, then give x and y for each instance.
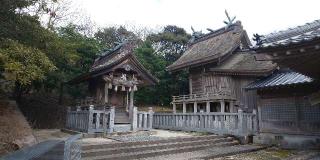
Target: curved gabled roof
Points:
(108, 61)
(210, 47)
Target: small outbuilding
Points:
(113, 79)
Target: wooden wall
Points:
(116, 98)
(291, 115)
(209, 82)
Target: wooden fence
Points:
(239, 124)
(90, 121)
(142, 120)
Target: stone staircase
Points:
(121, 120)
(156, 148)
(121, 116)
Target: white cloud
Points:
(256, 16)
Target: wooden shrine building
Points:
(113, 79)
(220, 65)
(289, 99)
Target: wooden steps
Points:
(121, 116)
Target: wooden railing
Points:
(238, 124)
(90, 121)
(209, 95)
(142, 120)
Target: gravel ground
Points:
(152, 135)
(89, 141)
(272, 154)
(140, 136)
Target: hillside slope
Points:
(15, 132)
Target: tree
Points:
(109, 35)
(22, 65)
(170, 43)
(73, 53)
(168, 85)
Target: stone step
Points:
(168, 140)
(158, 152)
(210, 153)
(140, 148)
(122, 127)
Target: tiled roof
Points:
(210, 47)
(307, 32)
(280, 78)
(244, 63)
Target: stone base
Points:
(245, 139)
(122, 128)
(288, 141)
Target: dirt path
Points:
(49, 134)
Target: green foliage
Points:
(73, 54)
(157, 52)
(109, 35)
(171, 42)
(35, 53)
(23, 64)
(168, 85)
(36, 58)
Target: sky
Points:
(261, 17)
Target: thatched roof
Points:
(244, 63)
(212, 47)
(122, 55)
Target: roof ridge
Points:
(217, 32)
(291, 32)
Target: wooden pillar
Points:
(174, 108)
(195, 107)
(255, 121)
(111, 119)
(98, 95)
(127, 102)
(150, 118)
(184, 107)
(241, 124)
(208, 107)
(90, 123)
(106, 93)
(223, 107)
(134, 119)
(231, 106)
(131, 104)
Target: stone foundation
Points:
(288, 141)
